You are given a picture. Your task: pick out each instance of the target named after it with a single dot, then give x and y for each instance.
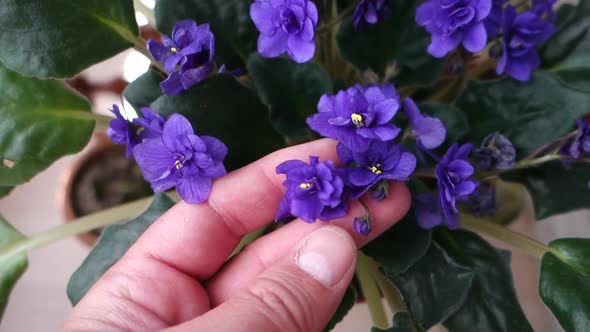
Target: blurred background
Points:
(39, 301)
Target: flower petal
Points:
(194, 189)
(272, 46)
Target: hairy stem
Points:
(146, 11)
(327, 26)
(370, 290)
(504, 234)
(80, 225)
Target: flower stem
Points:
(146, 11)
(327, 26)
(370, 290)
(102, 122)
(80, 225)
(504, 234)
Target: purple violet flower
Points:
(580, 144)
(454, 181)
(122, 131)
(191, 49)
(152, 123)
(496, 151)
(182, 159)
(430, 132)
(357, 116)
(370, 12)
(285, 26)
(493, 22)
(521, 34)
(452, 22)
(314, 190)
(382, 161)
(362, 225)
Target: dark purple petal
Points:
(172, 86)
(157, 50)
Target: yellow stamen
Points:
(178, 164)
(174, 49)
(357, 119)
(376, 169)
(305, 185)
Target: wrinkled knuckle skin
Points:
(283, 303)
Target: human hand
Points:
(176, 275)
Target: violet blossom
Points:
(285, 26)
(522, 32)
(182, 159)
(362, 225)
(452, 22)
(357, 116)
(314, 190)
(580, 143)
(454, 182)
(122, 131)
(496, 151)
(429, 131)
(151, 122)
(383, 161)
(187, 56)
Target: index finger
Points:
(196, 239)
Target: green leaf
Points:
(572, 38)
(112, 245)
(567, 53)
(575, 252)
(290, 90)
(40, 121)
(235, 33)
(144, 90)
(344, 307)
(491, 304)
(12, 267)
(453, 118)
(397, 38)
(222, 108)
(529, 114)
(60, 38)
(402, 322)
(400, 247)
(435, 287)
(5, 190)
(554, 188)
(564, 283)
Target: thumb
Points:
(299, 293)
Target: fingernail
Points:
(327, 254)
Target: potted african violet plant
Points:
(467, 102)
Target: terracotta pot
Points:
(101, 178)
